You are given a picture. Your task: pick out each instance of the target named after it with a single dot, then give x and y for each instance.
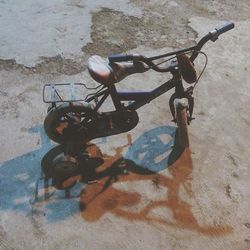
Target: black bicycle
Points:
(73, 122)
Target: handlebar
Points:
(225, 27)
(213, 36)
(137, 58)
(121, 58)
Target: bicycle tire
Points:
(182, 124)
(54, 115)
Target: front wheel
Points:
(182, 122)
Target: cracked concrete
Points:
(207, 200)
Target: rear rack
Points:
(56, 95)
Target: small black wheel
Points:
(65, 122)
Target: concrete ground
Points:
(200, 201)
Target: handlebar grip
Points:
(121, 58)
(225, 27)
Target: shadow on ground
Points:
(143, 159)
(103, 197)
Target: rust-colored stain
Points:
(101, 197)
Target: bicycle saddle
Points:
(107, 73)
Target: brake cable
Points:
(204, 67)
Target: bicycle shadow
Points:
(153, 151)
(150, 153)
(19, 175)
(103, 197)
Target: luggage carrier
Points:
(54, 93)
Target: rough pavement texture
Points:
(200, 201)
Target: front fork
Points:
(179, 93)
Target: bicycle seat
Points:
(108, 73)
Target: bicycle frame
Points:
(139, 98)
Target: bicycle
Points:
(72, 123)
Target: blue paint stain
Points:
(152, 149)
(17, 183)
(58, 210)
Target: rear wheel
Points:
(69, 122)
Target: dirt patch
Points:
(161, 25)
(114, 32)
(49, 65)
